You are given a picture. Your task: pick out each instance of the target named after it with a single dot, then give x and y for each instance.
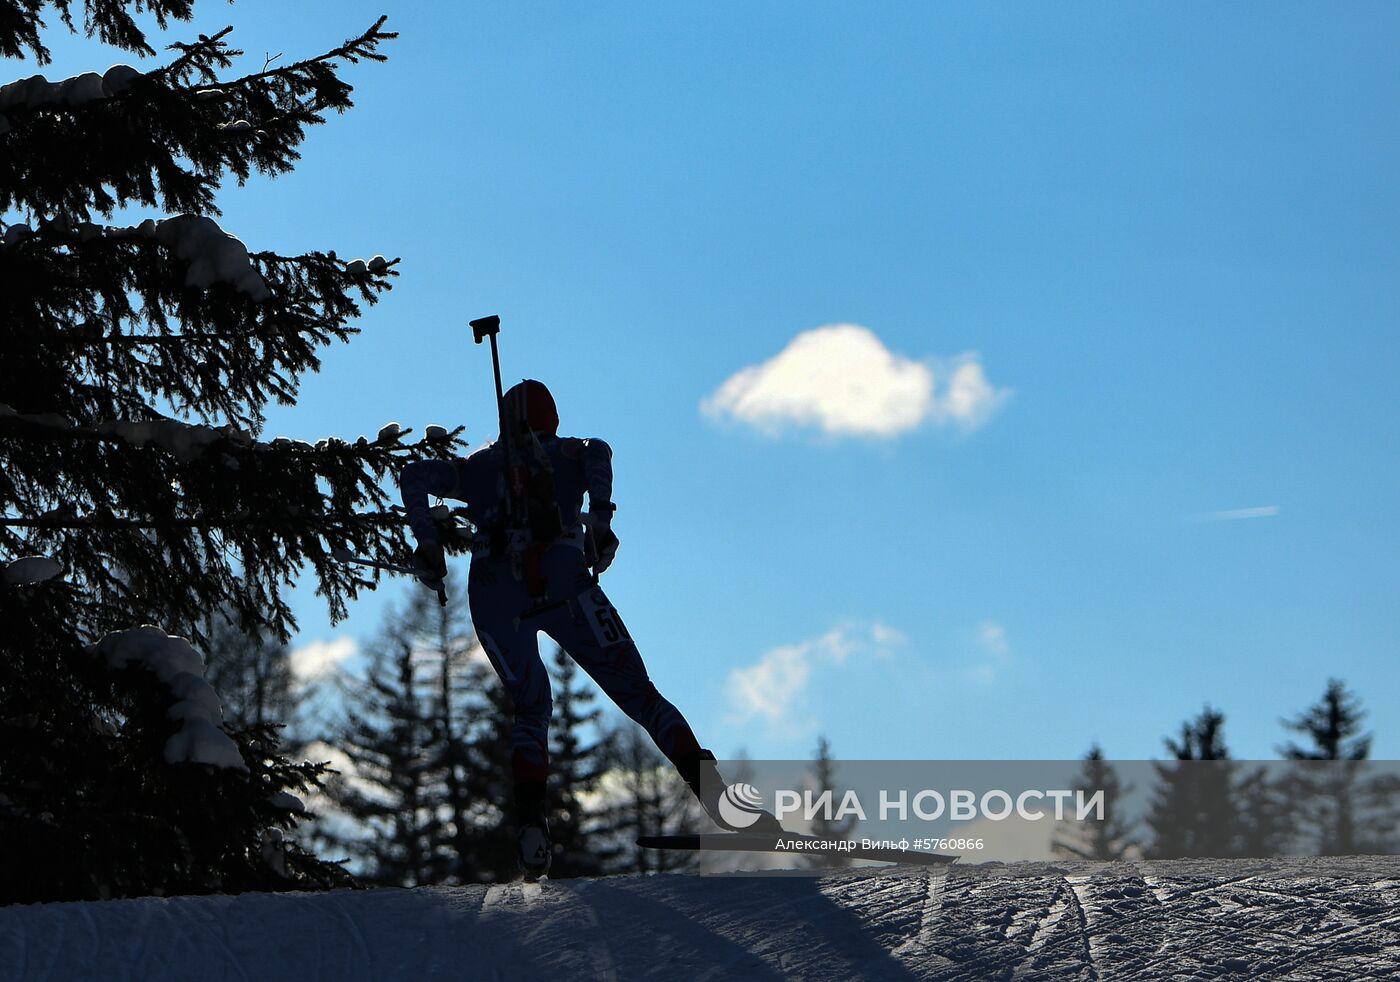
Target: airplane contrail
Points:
(1263, 511)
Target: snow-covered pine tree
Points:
(1341, 809)
(137, 363)
(576, 763)
(116, 779)
(1109, 839)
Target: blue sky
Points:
(1110, 436)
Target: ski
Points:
(794, 843)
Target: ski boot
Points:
(535, 850)
(702, 774)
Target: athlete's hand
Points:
(428, 558)
(604, 540)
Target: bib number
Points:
(602, 618)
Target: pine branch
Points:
(209, 49)
(352, 50)
(20, 24)
(162, 141)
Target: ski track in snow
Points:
(1187, 920)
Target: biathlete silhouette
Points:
(535, 561)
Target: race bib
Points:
(602, 618)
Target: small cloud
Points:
(993, 637)
(886, 637)
(773, 687)
(320, 657)
(770, 687)
(840, 379)
(995, 654)
(1234, 514)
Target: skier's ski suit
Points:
(585, 623)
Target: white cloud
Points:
(993, 637)
(770, 687)
(1235, 514)
(773, 687)
(320, 657)
(840, 379)
(995, 654)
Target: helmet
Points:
(529, 401)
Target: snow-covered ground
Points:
(1303, 919)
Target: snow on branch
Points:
(213, 255)
(29, 570)
(184, 440)
(175, 662)
(36, 90)
(87, 144)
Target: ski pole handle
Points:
(484, 327)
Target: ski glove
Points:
(604, 540)
(428, 559)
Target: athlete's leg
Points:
(497, 599)
(590, 630)
(593, 634)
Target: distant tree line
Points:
(424, 733)
(1325, 801)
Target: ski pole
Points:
(343, 555)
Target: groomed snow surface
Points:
(1192, 919)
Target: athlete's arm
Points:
(418, 480)
(598, 475)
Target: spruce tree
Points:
(451, 644)
(427, 731)
(823, 779)
(646, 797)
(1108, 839)
(138, 361)
(394, 792)
(490, 787)
(1267, 814)
(116, 779)
(253, 676)
(1193, 812)
(1341, 810)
